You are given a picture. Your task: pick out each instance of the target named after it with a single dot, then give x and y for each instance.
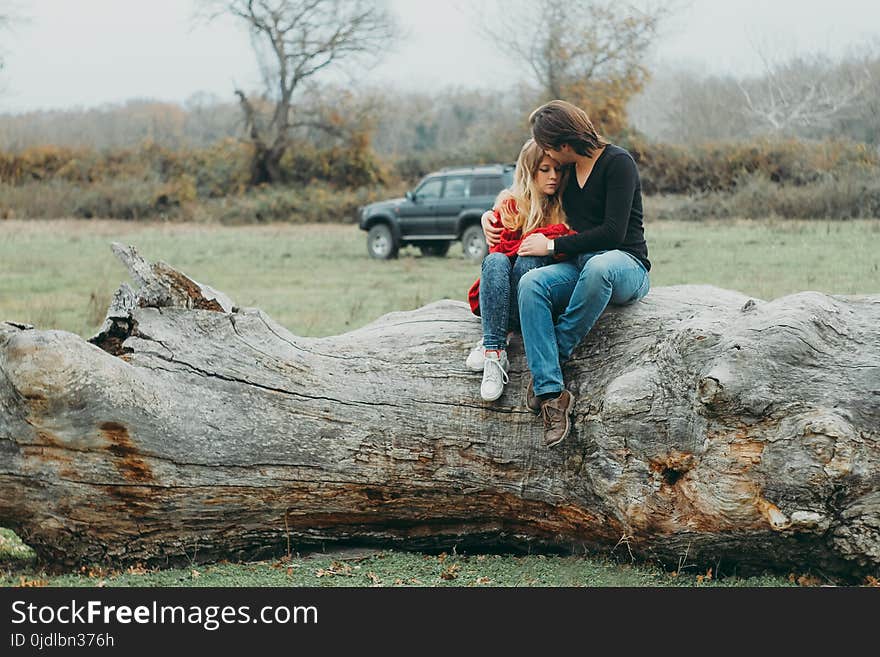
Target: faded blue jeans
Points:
(499, 280)
(578, 291)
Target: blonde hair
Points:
(531, 207)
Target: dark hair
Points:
(558, 122)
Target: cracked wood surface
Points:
(708, 424)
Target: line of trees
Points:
(805, 96)
(593, 53)
(676, 107)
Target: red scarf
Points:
(508, 245)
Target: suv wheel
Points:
(473, 243)
(437, 249)
(380, 242)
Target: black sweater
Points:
(607, 211)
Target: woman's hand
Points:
(492, 233)
(534, 245)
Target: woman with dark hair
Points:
(607, 257)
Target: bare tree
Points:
(590, 53)
(294, 41)
(862, 122)
(807, 96)
(687, 106)
(806, 92)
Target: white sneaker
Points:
(475, 359)
(494, 375)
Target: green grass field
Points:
(318, 280)
(363, 567)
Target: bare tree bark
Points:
(709, 426)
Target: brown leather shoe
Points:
(556, 414)
(533, 403)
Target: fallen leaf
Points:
(32, 583)
(451, 572)
(809, 580)
(374, 579)
(195, 573)
(97, 572)
(336, 569)
(872, 581)
(483, 580)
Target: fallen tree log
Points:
(710, 428)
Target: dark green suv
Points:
(444, 207)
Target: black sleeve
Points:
(621, 181)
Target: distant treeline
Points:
(203, 184)
(807, 97)
(801, 141)
(781, 177)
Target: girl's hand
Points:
(534, 245)
(492, 233)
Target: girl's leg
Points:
(495, 298)
(495, 311)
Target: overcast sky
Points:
(82, 53)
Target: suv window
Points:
(457, 187)
(430, 189)
(508, 178)
(486, 185)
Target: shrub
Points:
(36, 200)
(314, 203)
(669, 169)
(789, 178)
(347, 166)
(851, 193)
(122, 198)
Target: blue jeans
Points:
(499, 281)
(578, 291)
